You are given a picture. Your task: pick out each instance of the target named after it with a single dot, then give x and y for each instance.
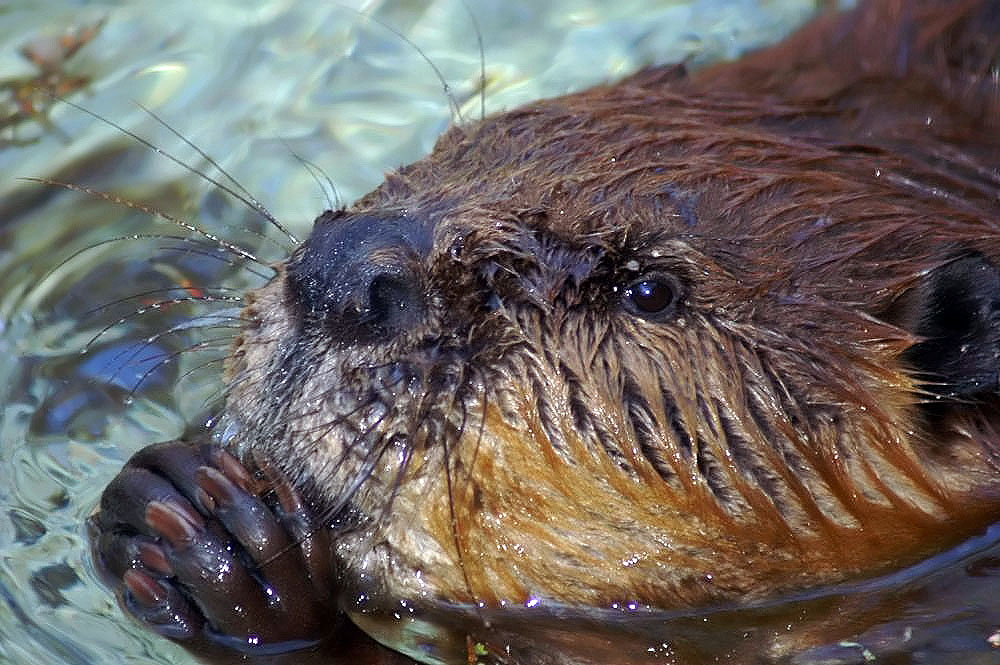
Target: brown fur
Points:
(525, 437)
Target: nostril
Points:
(360, 277)
(393, 302)
(357, 301)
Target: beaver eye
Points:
(652, 297)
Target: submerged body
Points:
(677, 343)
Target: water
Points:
(261, 89)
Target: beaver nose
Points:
(361, 275)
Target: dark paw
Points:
(195, 553)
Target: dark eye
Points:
(652, 297)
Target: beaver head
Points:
(653, 343)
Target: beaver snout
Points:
(361, 276)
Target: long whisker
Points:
(445, 86)
(222, 390)
(117, 200)
(159, 306)
(246, 198)
(453, 514)
(156, 292)
(218, 320)
(133, 354)
(211, 254)
(482, 59)
(163, 359)
(323, 428)
(362, 474)
(134, 236)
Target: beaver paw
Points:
(195, 554)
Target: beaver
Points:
(687, 341)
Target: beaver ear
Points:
(955, 312)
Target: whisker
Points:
(334, 202)
(446, 88)
(167, 358)
(326, 427)
(482, 58)
(453, 514)
(159, 306)
(362, 474)
(397, 482)
(246, 198)
(134, 359)
(223, 390)
(155, 292)
(120, 362)
(134, 236)
(481, 430)
(210, 254)
(152, 212)
(327, 515)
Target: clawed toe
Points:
(196, 554)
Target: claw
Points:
(200, 558)
(144, 588)
(172, 523)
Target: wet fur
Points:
(772, 415)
